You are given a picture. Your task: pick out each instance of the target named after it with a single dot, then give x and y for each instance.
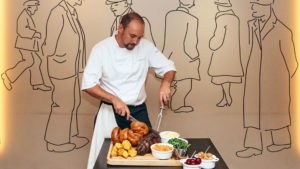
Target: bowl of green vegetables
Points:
(180, 147)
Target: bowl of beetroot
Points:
(191, 163)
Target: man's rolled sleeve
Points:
(160, 64)
(93, 71)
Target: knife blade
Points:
(131, 118)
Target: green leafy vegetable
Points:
(178, 143)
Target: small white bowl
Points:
(186, 166)
(167, 135)
(162, 154)
(208, 164)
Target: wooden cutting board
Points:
(145, 160)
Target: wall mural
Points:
(28, 46)
(64, 65)
(121, 8)
(263, 68)
(225, 65)
(181, 47)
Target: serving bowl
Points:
(179, 152)
(162, 154)
(167, 135)
(187, 166)
(208, 164)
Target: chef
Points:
(116, 73)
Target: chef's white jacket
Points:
(123, 73)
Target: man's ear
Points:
(120, 28)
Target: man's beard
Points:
(129, 46)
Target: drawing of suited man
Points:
(27, 43)
(121, 8)
(64, 46)
(180, 46)
(272, 62)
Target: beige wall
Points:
(26, 111)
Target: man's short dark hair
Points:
(126, 19)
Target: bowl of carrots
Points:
(162, 151)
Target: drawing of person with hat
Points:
(122, 7)
(225, 65)
(272, 62)
(181, 46)
(27, 43)
(64, 46)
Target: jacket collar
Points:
(63, 4)
(261, 35)
(269, 25)
(29, 16)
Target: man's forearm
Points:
(101, 94)
(120, 107)
(165, 88)
(169, 77)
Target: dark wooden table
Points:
(198, 144)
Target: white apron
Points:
(105, 123)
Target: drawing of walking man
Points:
(28, 46)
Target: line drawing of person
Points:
(272, 61)
(64, 46)
(27, 44)
(225, 65)
(180, 46)
(122, 7)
